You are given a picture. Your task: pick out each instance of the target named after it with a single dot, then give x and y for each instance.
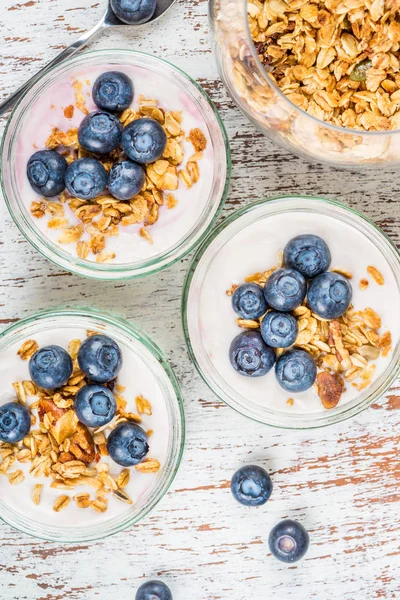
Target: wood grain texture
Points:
(342, 483)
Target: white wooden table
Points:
(342, 483)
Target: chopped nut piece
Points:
(69, 111)
(171, 201)
(145, 234)
(290, 401)
(376, 275)
(364, 283)
(198, 139)
(330, 388)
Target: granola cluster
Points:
(344, 349)
(339, 60)
(63, 449)
(93, 221)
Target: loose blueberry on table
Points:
(250, 356)
(46, 172)
(134, 12)
(100, 132)
(251, 485)
(153, 590)
(86, 178)
(285, 289)
(50, 367)
(127, 444)
(15, 422)
(113, 91)
(288, 541)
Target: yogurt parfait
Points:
(119, 164)
(291, 312)
(90, 427)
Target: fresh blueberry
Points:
(86, 178)
(127, 444)
(329, 295)
(100, 358)
(250, 356)
(50, 367)
(251, 486)
(248, 301)
(144, 140)
(279, 330)
(134, 12)
(153, 590)
(308, 254)
(46, 172)
(296, 370)
(15, 422)
(125, 180)
(285, 289)
(95, 405)
(288, 541)
(100, 132)
(113, 91)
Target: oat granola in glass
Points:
(183, 189)
(319, 78)
(62, 481)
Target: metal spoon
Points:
(108, 20)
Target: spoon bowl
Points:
(108, 20)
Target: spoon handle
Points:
(80, 43)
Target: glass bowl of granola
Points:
(355, 353)
(63, 480)
(144, 221)
(319, 78)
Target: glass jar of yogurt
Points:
(247, 243)
(262, 101)
(29, 501)
(58, 102)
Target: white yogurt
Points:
(138, 379)
(254, 248)
(173, 224)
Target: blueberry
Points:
(250, 356)
(329, 295)
(251, 486)
(134, 12)
(127, 444)
(86, 178)
(296, 370)
(100, 132)
(279, 330)
(308, 254)
(125, 180)
(153, 590)
(46, 172)
(113, 91)
(95, 405)
(50, 367)
(288, 541)
(248, 301)
(285, 289)
(144, 140)
(100, 358)
(15, 422)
